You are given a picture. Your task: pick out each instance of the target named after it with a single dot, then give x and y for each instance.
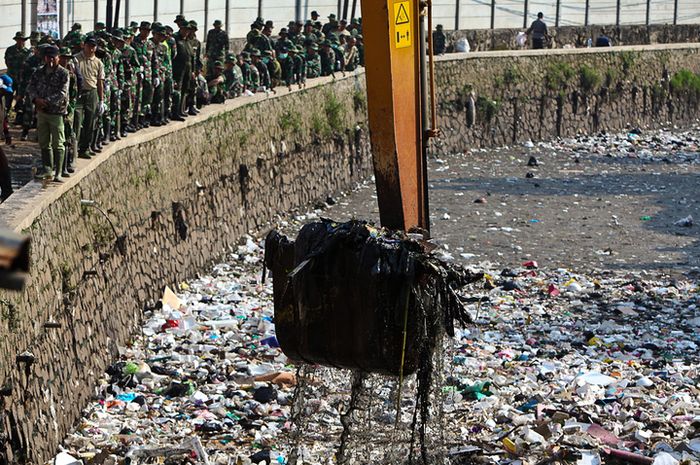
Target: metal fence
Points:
(56, 16)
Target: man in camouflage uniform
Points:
(217, 45)
(247, 72)
(234, 77)
(297, 54)
(48, 89)
(15, 56)
(161, 61)
(182, 70)
(327, 59)
(313, 62)
(273, 68)
(115, 101)
(216, 84)
(103, 123)
(195, 47)
(75, 34)
(30, 65)
(144, 50)
(283, 42)
(168, 91)
(71, 151)
(352, 56)
(130, 64)
(263, 73)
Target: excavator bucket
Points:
(351, 295)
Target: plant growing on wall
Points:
(687, 83)
(589, 79)
(487, 108)
(558, 76)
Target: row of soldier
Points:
(123, 80)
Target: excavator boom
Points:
(392, 30)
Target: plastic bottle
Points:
(589, 42)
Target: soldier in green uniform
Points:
(273, 68)
(216, 84)
(283, 42)
(32, 63)
(360, 44)
(144, 50)
(195, 47)
(327, 59)
(217, 45)
(15, 56)
(131, 65)
(71, 145)
(182, 71)
(286, 61)
(115, 101)
(168, 91)
(48, 89)
(263, 73)
(75, 34)
(313, 62)
(352, 56)
(161, 62)
(246, 71)
(234, 77)
(297, 55)
(103, 122)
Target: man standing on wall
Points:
(538, 29)
(217, 46)
(90, 99)
(15, 56)
(48, 90)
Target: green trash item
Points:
(645, 218)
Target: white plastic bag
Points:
(521, 39)
(462, 45)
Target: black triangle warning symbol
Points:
(402, 15)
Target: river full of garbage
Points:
(556, 367)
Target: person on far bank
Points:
(603, 40)
(48, 91)
(90, 98)
(538, 29)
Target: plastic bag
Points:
(521, 39)
(462, 45)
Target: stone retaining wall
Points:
(180, 196)
(178, 201)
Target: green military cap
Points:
(19, 36)
(50, 51)
(118, 34)
(267, 53)
(331, 17)
(168, 29)
(245, 55)
(355, 21)
(192, 25)
(359, 37)
(283, 31)
(46, 40)
(178, 18)
(260, 20)
(313, 47)
(156, 23)
(308, 23)
(99, 24)
(218, 64)
(269, 24)
(218, 22)
(254, 52)
(145, 25)
(157, 29)
(76, 26)
(230, 58)
(65, 52)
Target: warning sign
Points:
(402, 23)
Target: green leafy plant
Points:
(589, 79)
(558, 76)
(290, 121)
(487, 107)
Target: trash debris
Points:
(686, 222)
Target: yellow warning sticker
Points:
(402, 23)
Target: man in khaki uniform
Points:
(90, 99)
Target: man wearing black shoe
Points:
(48, 91)
(90, 99)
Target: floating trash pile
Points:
(558, 367)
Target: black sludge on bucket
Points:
(349, 295)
